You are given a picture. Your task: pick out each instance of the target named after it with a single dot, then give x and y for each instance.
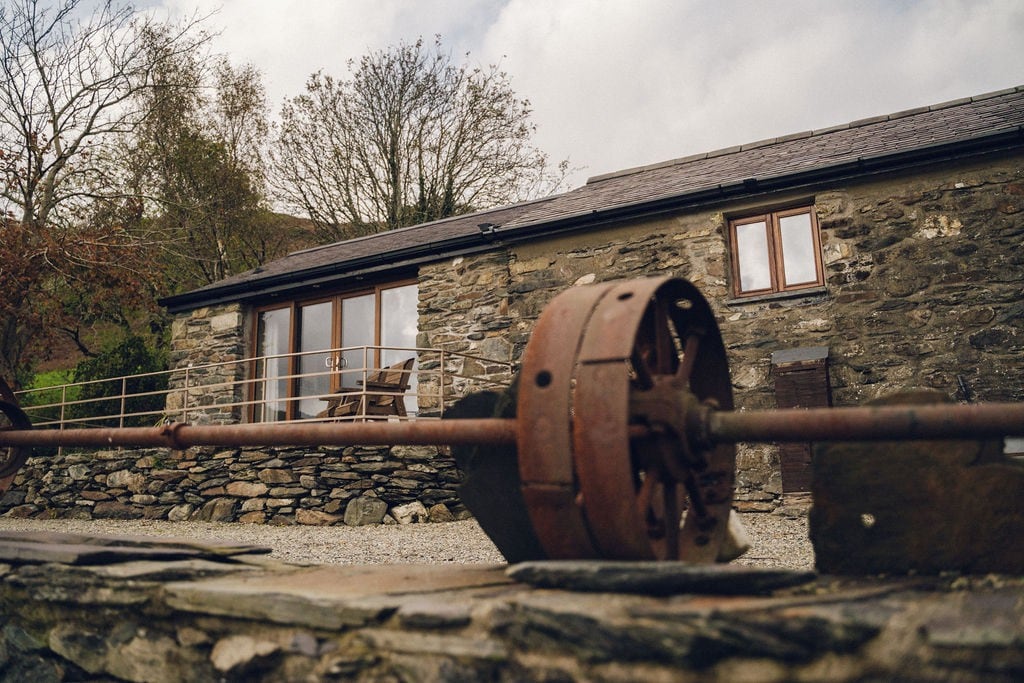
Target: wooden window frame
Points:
(294, 306)
(776, 262)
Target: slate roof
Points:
(389, 250)
(848, 149)
(917, 136)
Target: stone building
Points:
(864, 258)
(842, 264)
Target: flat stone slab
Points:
(29, 547)
(329, 596)
(656, 578)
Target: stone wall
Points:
(464, 309)
(247, 618)
(205, 347)
(924, 275)
(252, 485)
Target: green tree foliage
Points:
(130, 168)
(410, 137)
(135, 390)
(198, 159)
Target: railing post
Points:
(184, 398)
(261, 405)
(366, 375)
(124, 401)
(63, 407)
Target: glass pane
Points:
(272, 339)
(752, 252)
(357, 330)
(314, 368)
(398, 328)
(398, 324)
(798, 249)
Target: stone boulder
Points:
(409, 513)
(365, 510)
(315, 518)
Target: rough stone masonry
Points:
(355, 485)
(168, 612)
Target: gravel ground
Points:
(777, 541)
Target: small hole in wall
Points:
(625, 295)
(684, 304)
(543, 378)
(867, 520)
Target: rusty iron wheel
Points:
(603, 360)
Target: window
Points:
(775, 252)
(305, 350)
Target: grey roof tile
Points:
(340, 255)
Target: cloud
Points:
(617, 83)
(665, 79)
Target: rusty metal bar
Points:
(937, 421)
(180, 435)
(868, 423)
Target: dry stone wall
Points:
(250, 619)
(322, 486)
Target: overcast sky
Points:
(622, 83)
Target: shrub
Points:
(104, 374)
(44, 389)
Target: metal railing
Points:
(271, 388)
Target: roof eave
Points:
(377, 264)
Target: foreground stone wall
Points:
(250, 619)
(354, 485)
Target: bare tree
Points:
(411, 137)
(240, 116)
(68, 86)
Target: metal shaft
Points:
(869, 423)
(180, 436)
(934, 421)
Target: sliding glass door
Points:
(273, 341)
(398, 328)
(357, 338)
(299, 365)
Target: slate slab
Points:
(656, 578)
(330, 597)
(35, 547)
